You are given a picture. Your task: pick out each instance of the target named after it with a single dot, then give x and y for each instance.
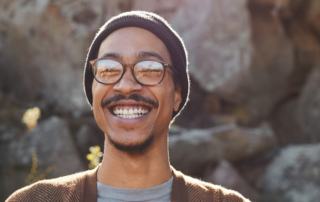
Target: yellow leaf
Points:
(90, 157)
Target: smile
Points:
(130, 112)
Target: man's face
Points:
(157, 102)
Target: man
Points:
(136, 80)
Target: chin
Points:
(132, 147)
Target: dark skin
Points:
(150, 167)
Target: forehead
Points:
(129, 41)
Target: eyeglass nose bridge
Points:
(124, 67)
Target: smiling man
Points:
(136, 80)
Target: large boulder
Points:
(293, 175)
(50, 144)
(192, 151)
(217, 39)
(43, 46)
(237, 52)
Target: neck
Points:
(120, 169)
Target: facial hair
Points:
(133, 149)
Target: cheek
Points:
(166, 101)
(98, 93)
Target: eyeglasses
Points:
(146, 72)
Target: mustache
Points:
(136, 97)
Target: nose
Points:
(127, 84)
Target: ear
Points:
(177, 98)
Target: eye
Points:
(109, 72)
(149, 70)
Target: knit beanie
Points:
(159, 27)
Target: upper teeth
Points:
(130, 113)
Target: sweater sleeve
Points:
(202, 191)
(23, 194)
(48, 190)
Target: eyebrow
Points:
(146, 54)
(141, 55)
(114, 55)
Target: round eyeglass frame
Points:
(124, 66)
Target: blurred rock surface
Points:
(307, 112)
(297, 119)
(48, 60)
(293, 175)
(54, 147)
(217, 40)
(228, 176)
(193, 150)
(299, 20)
(86, 137)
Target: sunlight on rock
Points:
(30, 117)
(94, 156)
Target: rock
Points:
(308, 108)
(227, 176)
(293, 175)
(299, 20)
(45, 140)
(192, 151)
(285, 123)
(164, 8)
(253, 169)
(53, 145)
(217, 39)
(86, 137)
(234, 56)
(196, 113)
(297, 119)
(272, 64)
(45, 63)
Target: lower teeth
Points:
(129, 116)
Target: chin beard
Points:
(133, 149)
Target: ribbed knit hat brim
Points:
(158, 26)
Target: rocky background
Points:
(253, 120)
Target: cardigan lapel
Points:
(89, 186)
(179, 189)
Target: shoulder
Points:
(212, 192)
(54, 189)
(197, 190)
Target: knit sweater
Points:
(82, 187)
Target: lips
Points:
(130, 112)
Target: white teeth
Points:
(130, 113)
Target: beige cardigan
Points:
(82, 187)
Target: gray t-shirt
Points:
(160, 193)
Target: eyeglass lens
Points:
(146, 72)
